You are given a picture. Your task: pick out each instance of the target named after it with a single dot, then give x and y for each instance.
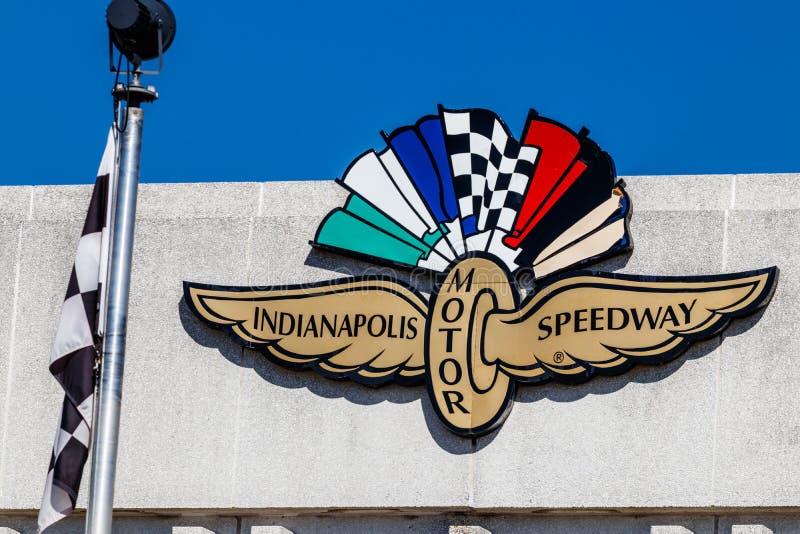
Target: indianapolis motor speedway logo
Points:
(457, 195)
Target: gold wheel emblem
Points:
(469, 393)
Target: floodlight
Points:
(140, 29)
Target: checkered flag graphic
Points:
(491, 169)
(74, 353)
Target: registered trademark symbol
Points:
(558, 357)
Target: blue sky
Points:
(256, 90)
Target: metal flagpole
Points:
(105, 438)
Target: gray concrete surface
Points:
(208, 426)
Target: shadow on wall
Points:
(363, 395)
(319, 385)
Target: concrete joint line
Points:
(726, 224)
(11, 336)
(719, 355)
(237, 426)
(260, 199)
(471, 474)
(237, 422)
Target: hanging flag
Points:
(75, 350)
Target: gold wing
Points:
(369, 330)
(605, 323)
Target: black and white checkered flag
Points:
(72, 360)
(491, 170)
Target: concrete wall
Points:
(215, 431)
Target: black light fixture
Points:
(140, 29)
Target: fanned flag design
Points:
(459, 182)
(72, 360)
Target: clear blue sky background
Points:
(262, 90)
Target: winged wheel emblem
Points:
(457, 195)
(474, 342)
